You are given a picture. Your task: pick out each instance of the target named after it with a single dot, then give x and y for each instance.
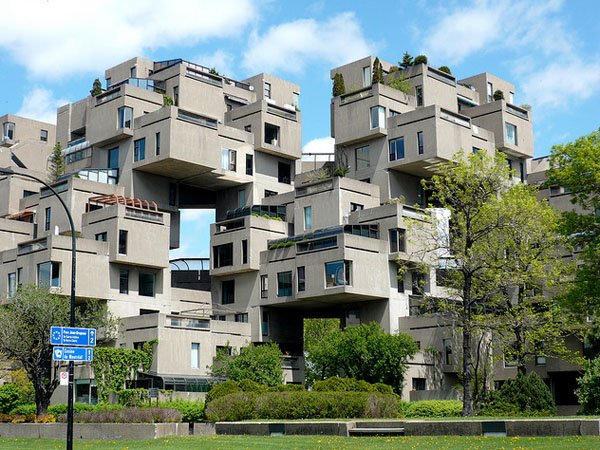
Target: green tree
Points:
(498, 95)
(25, 323)
(407, 60)
(589, 388)
(320, 341)
(365, 352)
(259, 363)
(445, 69)
(57, 164)
(420, 59)
(96, 88)
(377, 76)
(339, 88)
(576, 166)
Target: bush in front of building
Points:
(432, 408)
(589, 388)
(191, 411)
(222, 389)
(336, 384)
(526, 395)
(133, 397)
(302, 405)
(127, 415)
(10, 396)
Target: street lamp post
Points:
(7, 171)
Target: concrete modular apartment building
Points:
(286, 245)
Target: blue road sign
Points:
(85, 337)
(72, 354)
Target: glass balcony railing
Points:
(320, 238)
(271, 211)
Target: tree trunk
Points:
(466, 347)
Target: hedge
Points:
(127, 415)
(433, 408)
(302, 405)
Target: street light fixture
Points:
(6, 171)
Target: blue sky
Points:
(51, 51)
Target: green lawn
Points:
(314, 442)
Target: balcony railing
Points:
(189, 323)
(197, 119)
(197, 70)
(519, 112)
(369, 231)
(140, 214)
(107, 176)
(271, 211)
(31, 247)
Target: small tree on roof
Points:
(339, 88)
(377, 72)
(57, 164)
(96, 88)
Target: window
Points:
(267, 90)
(272, 134)
(227, 292)
(397, 148)
(139, 149)
(356, 207)
(418, 282)
(284, 284)
(102, 236)
(308, 217)
(124, 281)
(147, 282)
(367, 76)
(269, 193)
(123, 242)
(157, 143)
(8, 130)
(476, 150)
(125, 116)
(522, 172)
(241, 317)
(400, 280)
(12, 284)
(540, 360)
(19, 277)
(511, 133)
(228, 159)
(392, 113)
(47, 218)
(296, 100)
(244, 251)
(113, 158)
(420, 142)
(418, 384)
(301, 279)
(447, 344)
(511, 98)
(195, 359)
(176, 95)
(490, 92)
(248, 128)
(377, 117)
(108, 82)
(133, 72)
(337, 273)
(48, 274)
(419, 95)
(361, 158)
(249, 164)
(284, 172)
(44, 135)
(397, 240)
(554, 190)
(223, 255)
(241, 198)
(265, 323)
(264, 286)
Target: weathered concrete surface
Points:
(442, 428)
(203, 429)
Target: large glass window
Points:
(264, 286)
(272, 135)
(12, 284)
(265, 323)
(47, 218)
(249, 164)
(284, 172)
(511, 133)
(267, 90)
(228, 159)
(284, 284)
(195, 360)
(44, 135)
(490, 92)
(139, 149)
(367, 76)
(338, 273)
(227, 292)
(48, 274)
(223, 255)
(125, 117)
(124, 281)
(147, 282)
(301, 279)
(8, 130)
(123, 242)
(418, 282)
(113, 158)
(244, 251)
(397, 148)
(361, 158)
(241, 198)
(397, 240)
(447, 344)
(420, 142)
(308, 217)
(377, 117)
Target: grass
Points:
(315, 442)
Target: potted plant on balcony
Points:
(498, 95)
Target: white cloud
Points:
(319, 149)
(222, 61)
(54, 38)
(290, 46)
(550, 86)
(40, 104)
(200, 216)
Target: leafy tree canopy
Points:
(259, 363)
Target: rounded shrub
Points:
(10, 396)
(287, 388)
(420, 59)
(252, 386)
(191, 411)
(26, 409)
(232, 407)
(589, 388)
(222, 389)
(433, 408)
(525, 395)
(445, 69)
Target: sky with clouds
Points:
(51, 51)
